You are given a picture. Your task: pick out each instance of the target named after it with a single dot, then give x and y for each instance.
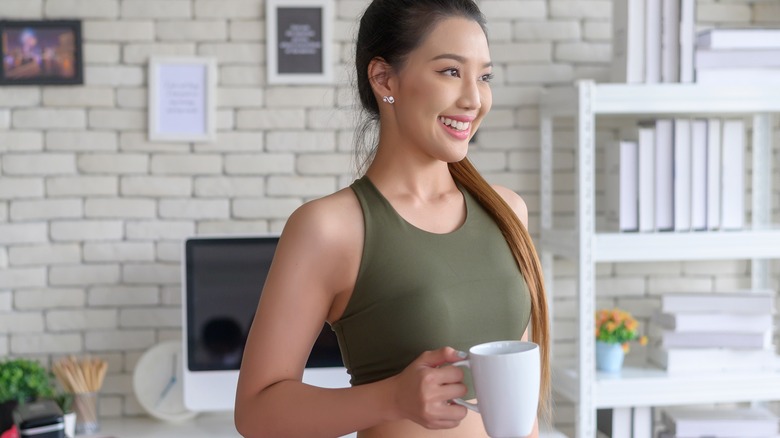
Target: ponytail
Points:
(523, 249)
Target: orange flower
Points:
(643, 340)
(626, 347)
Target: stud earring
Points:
(389, 99)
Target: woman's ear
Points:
(380, 75)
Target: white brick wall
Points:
(46, 209)
(47, 254)
(21, 9)
(49, 298)
(21, 141)
(79, 97)
(154, 9)
(81, 141)
(92, 213)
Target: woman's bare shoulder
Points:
(329, 222)
(515, 201)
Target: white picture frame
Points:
(304, 55)
(182, 99)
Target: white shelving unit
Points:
(649, 386)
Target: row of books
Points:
(679, 175)
(714, 332)
(689, 422)
(653, 41)
(738, 56)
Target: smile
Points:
(454, 124)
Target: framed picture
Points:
(40, 53)
(300, 41)
(182, 99)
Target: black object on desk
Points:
(40, 419)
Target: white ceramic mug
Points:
(506, 376)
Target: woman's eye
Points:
(452, 72)
(487, 78)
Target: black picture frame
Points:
(41, 52)
(299, 36)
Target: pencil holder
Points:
(86, 407)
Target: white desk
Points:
(203, 426)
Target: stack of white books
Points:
(719, 423)
(738, 56)
(677, 175)
(714, 332)
(653, 41)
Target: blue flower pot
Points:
(609, 357)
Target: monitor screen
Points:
(222, 280)
(225, 277)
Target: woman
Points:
(415, 261)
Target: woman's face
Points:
(443, 90)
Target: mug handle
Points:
(459, 401)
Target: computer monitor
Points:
(222, 279)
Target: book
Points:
(733, 175)
(670, 41)
(753, 38)
(670, 339)
(628, 41)
(704, 360)
(752, 422)
(664, 174)
(687, 39)
(759, 301)
(642, 426)
(713, 322)
(714, 59)
(738, 76)
(622, 186)
(699, 175)
(652, 41)
(682, 175)
(615, 422)
(646, 178)
(713, 173)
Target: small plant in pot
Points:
(65, 402)
(21, 380)
(615, 328)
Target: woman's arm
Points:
(317, 260)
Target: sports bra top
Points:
(418, 291)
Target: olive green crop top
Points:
(418, 291)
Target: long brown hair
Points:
(391, 29)
(523, 249)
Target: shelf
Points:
(660, 246)
(657, 99)
(648, 386)
(621, 99)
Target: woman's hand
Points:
(422, 391)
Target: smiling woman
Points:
(415, 262)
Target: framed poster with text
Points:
(300, 41)
(182, 99)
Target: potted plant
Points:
(65, 402)
(615, 328)
(21, 380)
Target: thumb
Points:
(441, 356)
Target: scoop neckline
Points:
(415, 227)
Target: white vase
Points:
(70, 424)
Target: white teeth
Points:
(454, 124)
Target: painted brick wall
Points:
(92, 213)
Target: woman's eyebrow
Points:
(457, 58)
